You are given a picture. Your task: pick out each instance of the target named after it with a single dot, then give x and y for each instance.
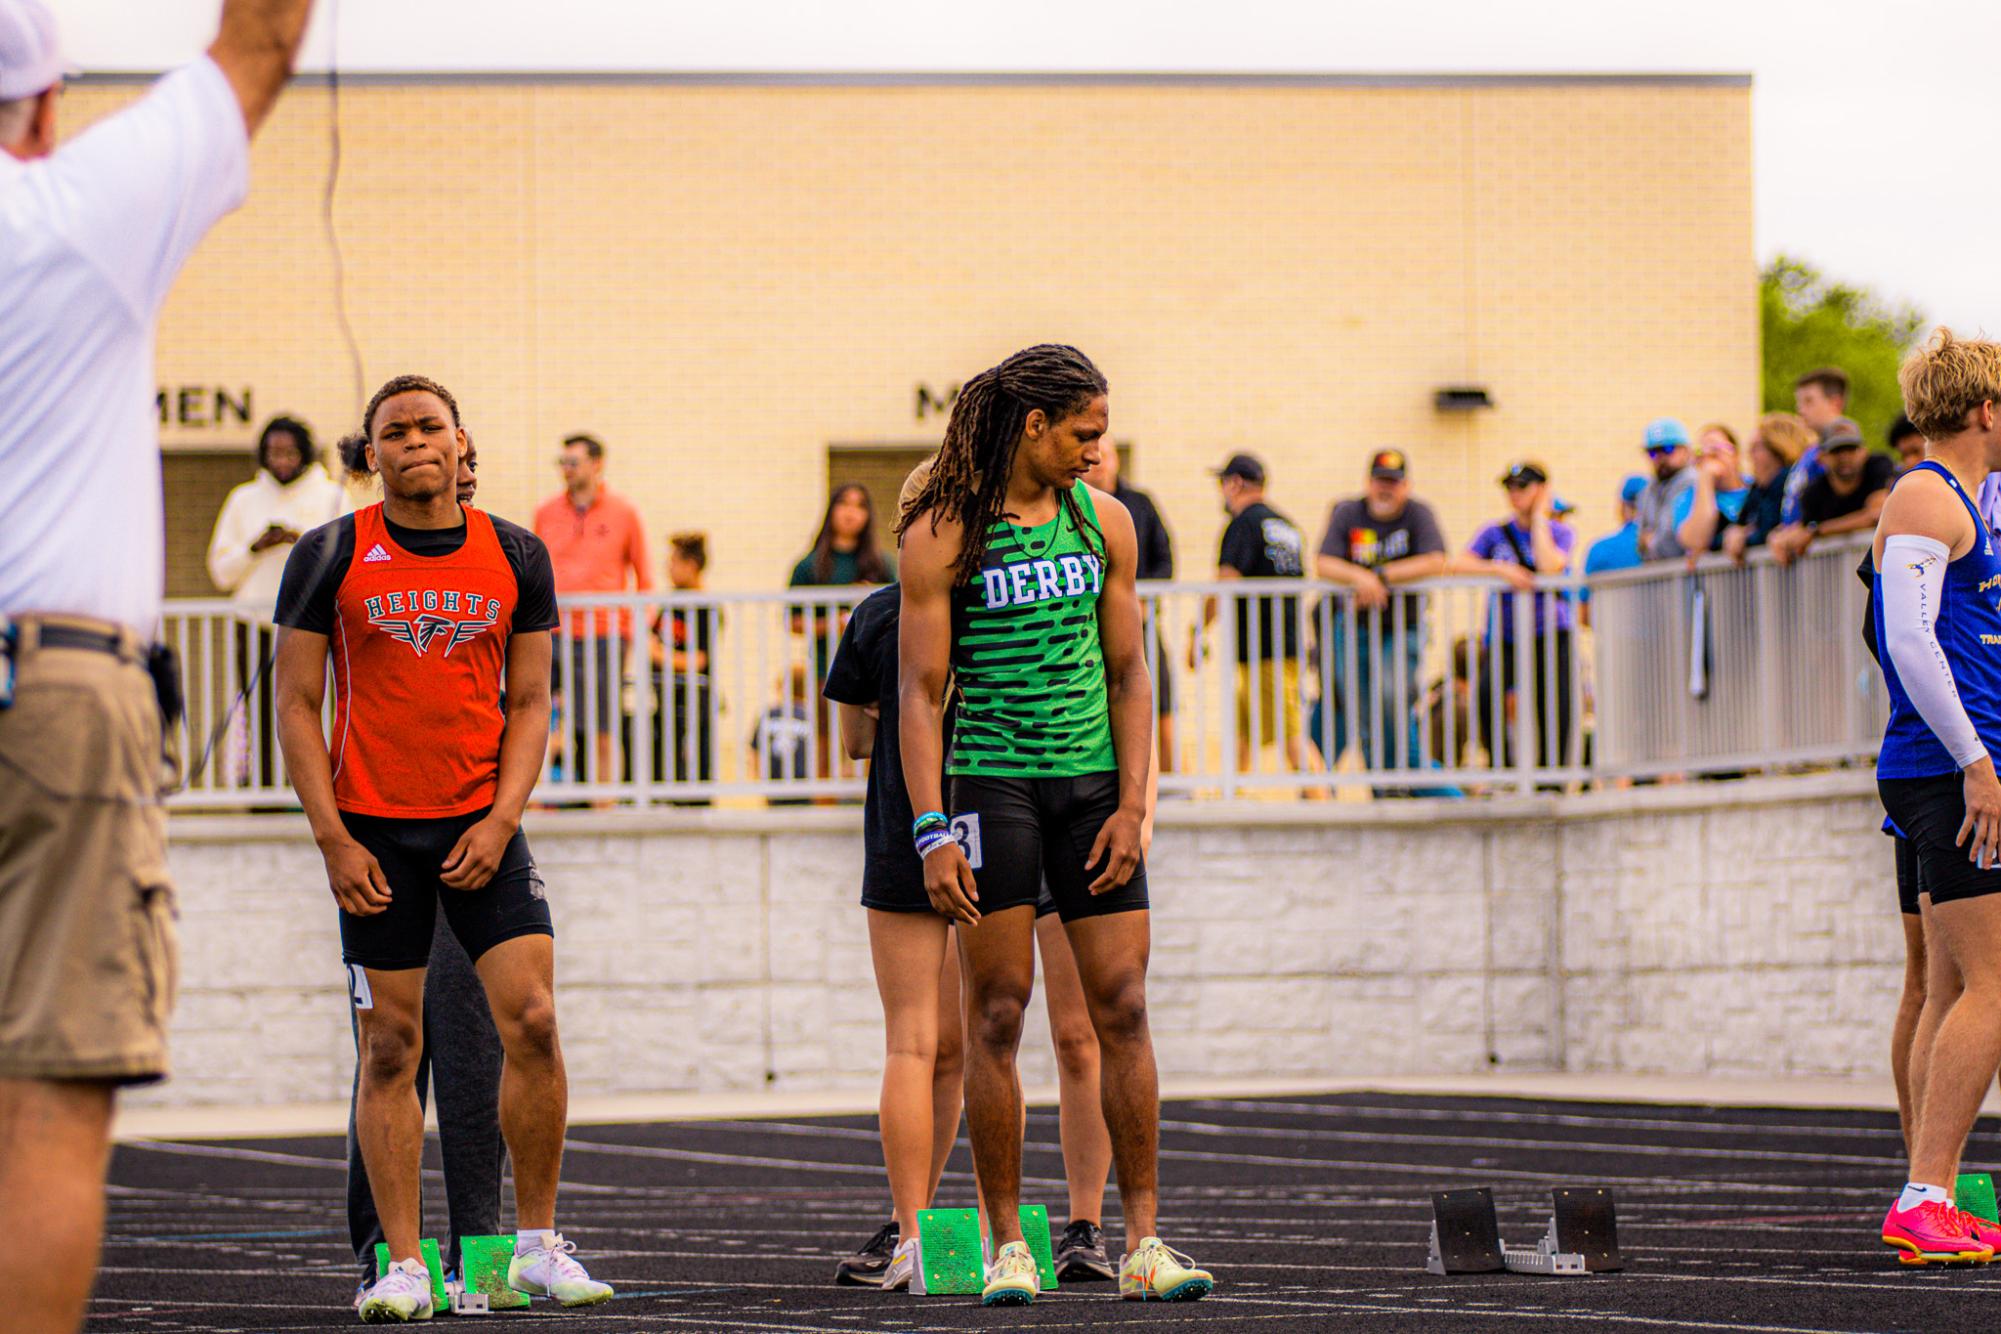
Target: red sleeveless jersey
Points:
(418, 647)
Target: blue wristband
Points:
(929, 820)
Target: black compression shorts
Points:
(1021, 831)
(412, 855)
(1930, 812)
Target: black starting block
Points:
(1583, 1236)
(1465, 1238)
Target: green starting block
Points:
(483, 1263)
(428, 1249)
(949, 1258)
(1974, 1192)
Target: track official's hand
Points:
(1118, 846)
(356, 879)
(948, 880)
(476, 856)
(1980, 832)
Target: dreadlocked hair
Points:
(969, 476)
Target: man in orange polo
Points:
(594, 537)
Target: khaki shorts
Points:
(88, 950)
(1285, 687)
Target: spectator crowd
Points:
(1314, 681)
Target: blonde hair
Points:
(913, 486)
(1786, 435)
(1946, 379)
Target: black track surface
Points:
(1313, 1213)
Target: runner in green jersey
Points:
(1018, 583)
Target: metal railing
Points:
(1456, 686)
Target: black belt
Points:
(69, 636)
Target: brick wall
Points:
(1730, 929)
(722, 282)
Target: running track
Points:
(1313, 1212)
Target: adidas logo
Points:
(375, 553)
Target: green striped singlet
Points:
(1026, 656)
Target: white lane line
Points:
(1886, 1133)
(1501, 1142)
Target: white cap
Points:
(31, 62)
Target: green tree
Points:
(1810, 320)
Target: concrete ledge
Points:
(1396, 813)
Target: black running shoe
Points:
(865, 1267)
(1081, 1253)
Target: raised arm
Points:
(255, 49)
(924, 649)
(1129, 692)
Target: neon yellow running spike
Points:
(1156, 1272)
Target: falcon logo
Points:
(435, 619)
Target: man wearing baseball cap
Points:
(1620, 548)
(1378, 540)
(1666, 444)
(1261, 543)
(1846, 498)
(92, 235)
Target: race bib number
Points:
(966, 829)
(357, 987)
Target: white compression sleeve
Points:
(1913, 585)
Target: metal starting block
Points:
(1583, 1236)
(1465, 1239)
(1974, 1192)
(951, 1260)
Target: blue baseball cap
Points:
(1629, 490)
(1666, 433)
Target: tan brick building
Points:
(737, 283)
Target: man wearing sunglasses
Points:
(1667, 451)
(1846, 498)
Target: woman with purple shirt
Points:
(1530, 542)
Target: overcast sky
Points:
(1874, 121)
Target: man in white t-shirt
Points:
(92, 235)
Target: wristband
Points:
(929, 820)
(930, 843)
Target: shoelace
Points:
(1942, 1215)
(1012, 1262)
(1080, 1235)
(1186, 1262)
(400, 1280)
(883, 1242)
(561, 1263)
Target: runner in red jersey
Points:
(435, 619)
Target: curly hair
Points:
(353, 449)
(969, 475)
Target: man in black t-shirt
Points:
(1261, 543)
(1846, 498)
(1384, 538)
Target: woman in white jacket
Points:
(290, 495)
